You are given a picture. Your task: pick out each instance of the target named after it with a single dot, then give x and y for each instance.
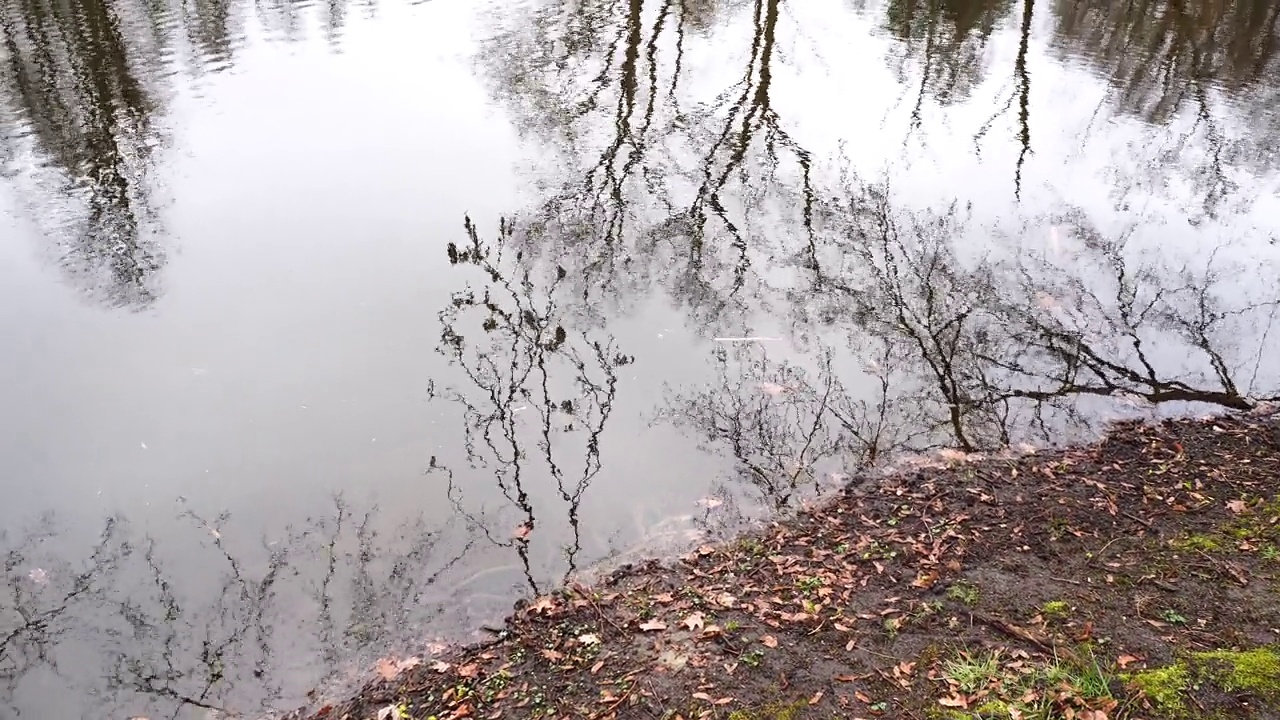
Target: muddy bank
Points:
(1132, 578)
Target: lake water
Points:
(330, 329)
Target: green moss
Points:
(964, 592)
(1164, 687)
(947, 714)
(993, 709)
(1206, 543)
(1255, 671)
(771, 712)
(1055, 609)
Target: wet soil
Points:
(1051, 584)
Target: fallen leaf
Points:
(769, 641)
(543, 604)
(1125, 660)
(653, 625)
(925, 580)
(1237, 506)
(589, 639)
(862, 697)
(953, 702)
(440, 667)
(552, 655)
(391, 712)
(664, 598)
(694, 622)
(817, 697)
(726, 600)
(596, 668)
(390, 668)
(522, 531)
(470, 670)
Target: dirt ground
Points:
(1132, 578)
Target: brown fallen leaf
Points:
(653, 626)
(552, 655)
(957, 701)
(386, 669)
(390, 668)
(862, 697)
(817, 697)
(1237, 506)
(1125, 660)
(522, 531)
(440, 667)
(925, 580)
(469, 670)
(769, 641)
(694, 622)
(543, 604)
(596, 668)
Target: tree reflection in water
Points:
(141, 635)
(531, 386)
(1018, 344)
(83, 87)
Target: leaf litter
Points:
(1039, 583)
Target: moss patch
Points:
(1165, 687)
(1256, 672)
(1206, 543)
(1253, 671)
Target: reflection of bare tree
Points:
(1002, 343)
(1161, 54)
(520, 362)
(81, 90)
(662, 186)
(69, 78)
(1217, 61)
(947, 39)
(44, 592)
(1020, 344)
(174, 626)
(781, 422)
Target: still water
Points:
(329, 329)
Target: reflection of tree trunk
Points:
(1024, 94)
(70, 71)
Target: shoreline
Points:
(1133, 577)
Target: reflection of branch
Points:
(1008, 343)
(515, 369)
(1024, 93)
(775, 420)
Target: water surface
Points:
(330, 329)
